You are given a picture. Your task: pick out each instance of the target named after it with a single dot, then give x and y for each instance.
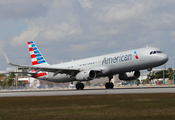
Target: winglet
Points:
(8, 61)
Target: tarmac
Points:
(147, 89)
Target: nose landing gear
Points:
(150, 74)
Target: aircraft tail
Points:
(36, 56)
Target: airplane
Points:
(95, 67)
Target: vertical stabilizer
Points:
(36, 56)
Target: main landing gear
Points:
(109, 85)
(79, 86)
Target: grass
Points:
(93, 107)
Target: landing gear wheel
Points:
(82, 86)
(109, 85)
(79, 86)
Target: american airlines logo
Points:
(136, 56)
(120, 58)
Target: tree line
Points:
(168, 73)
(9, 80)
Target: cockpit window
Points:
(160, 52)
(154, 52)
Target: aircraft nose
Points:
(164, 58)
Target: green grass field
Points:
(89, 107)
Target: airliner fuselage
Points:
(112, 64)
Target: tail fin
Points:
(36, 56)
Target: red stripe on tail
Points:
(33, 56)
(35, 62)
(30, 49)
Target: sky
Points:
(76, 29)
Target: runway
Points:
(135, 90)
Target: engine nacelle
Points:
(86, 75)
(129, 76)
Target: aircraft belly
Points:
(128, 66)
(60, 78)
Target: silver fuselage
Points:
(112, 64)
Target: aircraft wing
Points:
(42, 68)
(51, 68)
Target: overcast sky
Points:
(75, 29)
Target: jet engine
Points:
(129, 75)
(86, 75)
